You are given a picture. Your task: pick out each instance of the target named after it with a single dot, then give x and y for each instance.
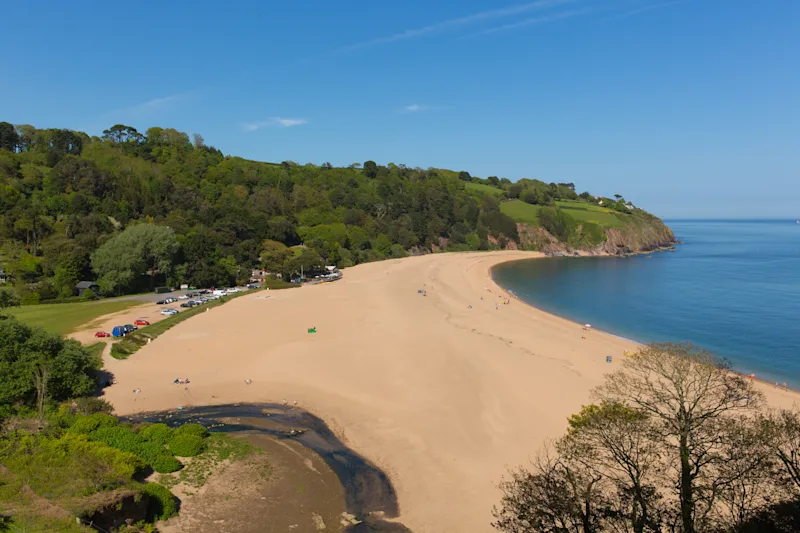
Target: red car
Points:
(141, 322)
(102, 334)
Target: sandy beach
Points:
(443, 391)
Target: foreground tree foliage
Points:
(677, 442)
(38, 367)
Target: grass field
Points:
(580, 211)
(521, 212)
(64, 318)
(583, 212)
(483, 189)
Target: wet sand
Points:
(442, 391)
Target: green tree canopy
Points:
(142, 250)
(67, 366)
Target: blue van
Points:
(118, 331)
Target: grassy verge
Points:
(484, 189)
(64, 318)
(96, 349)
(521, 211)
(584, 212)
(129, 345)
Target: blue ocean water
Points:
(732, 288)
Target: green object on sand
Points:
(312, 330)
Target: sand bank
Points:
(443, 391)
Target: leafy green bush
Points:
(557, 223)
(155, 455)
(158, 433)
(165, 463)
(162, 503)
(32, 298)
(89, 423)
(184, 445)
(70, 465)
(193, 429)
(118, 437)
(592, 233)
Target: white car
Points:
(169, 312)
(233, 290)
(183, 297)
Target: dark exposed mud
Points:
(369, 494)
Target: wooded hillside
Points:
(134, 211)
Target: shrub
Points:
(193, 429)
(118, 437)
(158, 433)
(122, 438)
(89, 406)
(89, 423)
(186, 445)
(158, 457)
(164, 463)
(70, 466)
(162, 504)
(32, 298)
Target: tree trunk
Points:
(686, 492)
(41, 375)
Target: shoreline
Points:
(763, 382)
(415, 365)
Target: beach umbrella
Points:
(587, 325)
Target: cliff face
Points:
(640, 234)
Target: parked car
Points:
(119, 331)
(169, 312)
(162, 302)
(205, 291)
(233, 290)
(102, 334)
(187, 304)
(141, 322)
(183, 297)
(129, 328)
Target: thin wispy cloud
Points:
(413, 108)
(456, 23)
(274, 122)
(644, 8)
(150, 106)
(534, 20)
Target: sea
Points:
(732, 287)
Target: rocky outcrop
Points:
(534, 238)
(642, 233)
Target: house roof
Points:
(86, 285)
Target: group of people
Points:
(180, 381)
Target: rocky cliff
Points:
(641, 233)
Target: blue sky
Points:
(689, 108)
